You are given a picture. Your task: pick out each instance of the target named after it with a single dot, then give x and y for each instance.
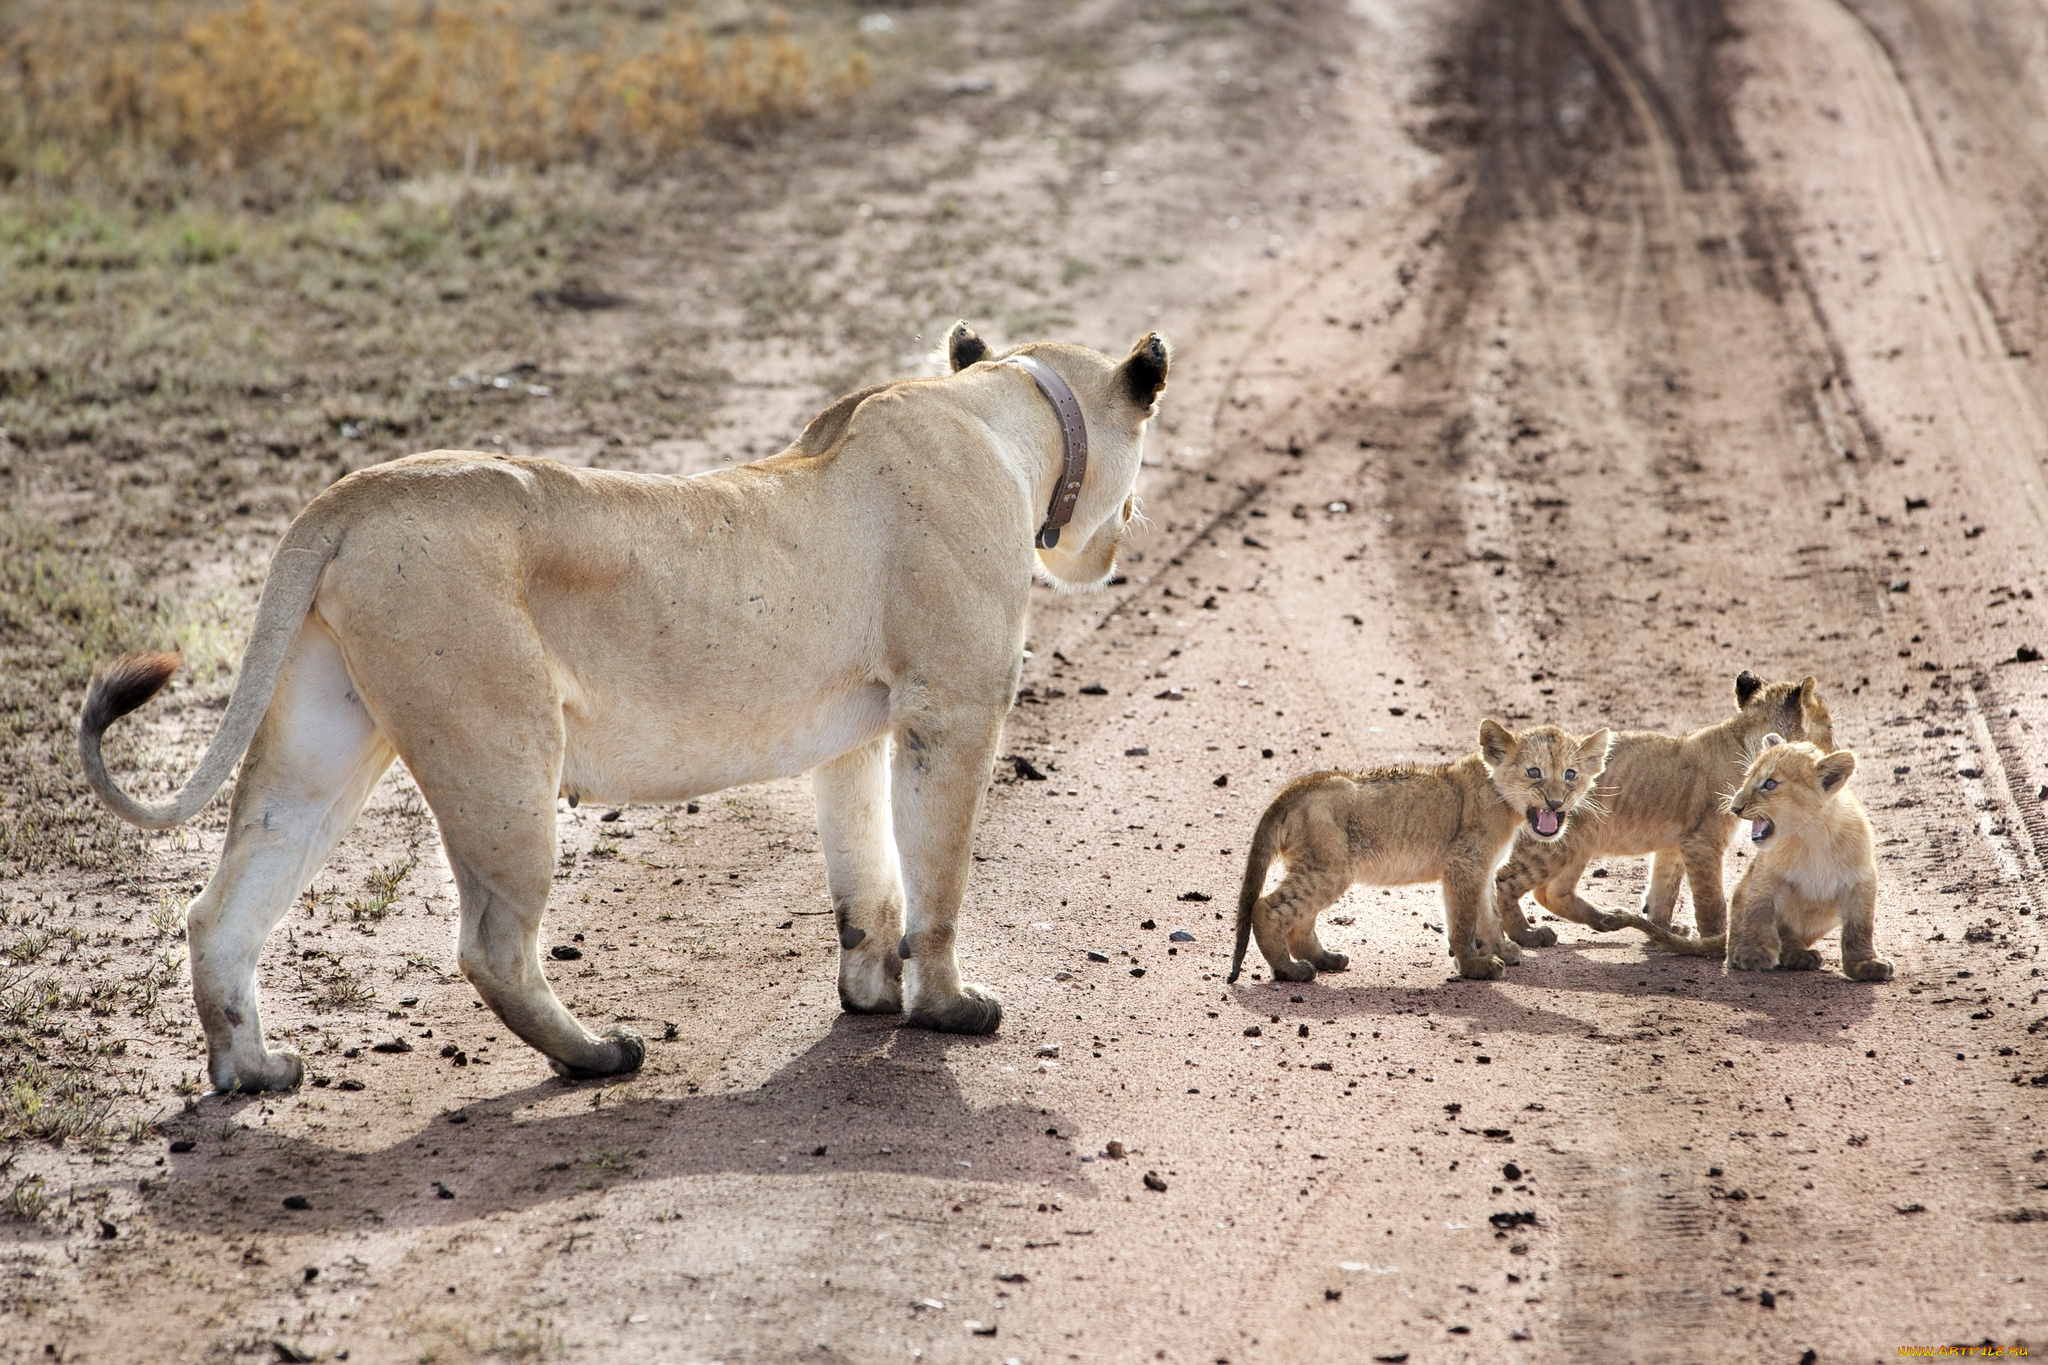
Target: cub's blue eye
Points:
(1571, 774)
(1536, 773)
(1770, 784)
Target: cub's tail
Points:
(130, 681)
(1671, 939)
(1265, 845)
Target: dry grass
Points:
(325, 95)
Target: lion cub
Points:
(1666, 796)
(1814, 869)
(1452, 823)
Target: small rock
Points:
(392, 1045)
(297, 1201)
(1511, 1172)
(1094, 690)
(1014, 1277)
(1254, 1031)
(348, 1083)
(2026, 654)
(1901, 584)
(1766, 1299)
(981, 1329)
(184, 1145)
(409, 1000)
(1141, 751)
(690, 809)
(108, 1231)
(1222, 780)
(1154, 1182)
(1196, 896)
(442, 1191)
(919, 1305)
(1181, 936)
(1048, 1050)
(1137, 971)
(610, 816)
(1148, 924)
(1094, 956)
(1115, 1151)
(1170, 694)
(288, 1354)
(565, 952)
(1513, 1219)
(1346, 920)
(1025, 768)
(459, 1116)
(1301, 1030)
(1332, 1295)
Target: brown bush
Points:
(322, 93)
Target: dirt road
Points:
(1577, 356)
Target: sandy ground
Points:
(1576, 356)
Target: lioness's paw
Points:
(975, 1010)
(279, 1070)
(1534, 936)
(1870, 969)
(1487, 968)
(628, 1052)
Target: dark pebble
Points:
(393, 1045)
(565, 952)
(297, 1201)
(1253, 1032)
(1154, 1183)
(184, 1145)
(1511, 1172)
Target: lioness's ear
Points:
(1593, 753)
(1143, 373)
(1834, 770)
(1495, 742)
(1773, 740)
(963, 347)
(1746, 684)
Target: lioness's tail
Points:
(130, 681)
(1670, 938)
(1265, 845)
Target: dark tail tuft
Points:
(125, 684)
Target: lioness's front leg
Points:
(1468, 922)
(1702, 852)
(861, 867)
(1753, 939)
(1860, 961)
(939, 770)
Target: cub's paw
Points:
(1606, 921)
(1508, 952)
(628, 1051)
(1487, 968)
(1535, 936)
(1331, 962)
(1870, 969)
(1294, 971)
(975, 1010)
(1752, 959)
(1798, 960)
(279, 1070)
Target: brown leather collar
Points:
(1073, 445)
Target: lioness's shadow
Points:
(872, 1095)
(1805, 1007)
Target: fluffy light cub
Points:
(1452, 823)
(1664, 795)
(1814, 870)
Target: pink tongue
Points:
(1546, 822)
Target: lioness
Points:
(1452, 822)
(1815, 869)
(1666, 795)
(518, 630)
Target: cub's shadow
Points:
(1804, 1007)
(869, 1097)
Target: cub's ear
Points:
(1746, 684)
(1773, 740)
(963, 347)
(1143, 373)
(1496, 741)
(1814, 716)
(1592, 755)
(1835, 769)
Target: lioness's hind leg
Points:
(1284, 922)
(862, 869)
(490, 775)
(1660, 897)
(305, 777)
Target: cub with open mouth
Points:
(1453, 823)
(1815, 869)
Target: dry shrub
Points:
(320, 94)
